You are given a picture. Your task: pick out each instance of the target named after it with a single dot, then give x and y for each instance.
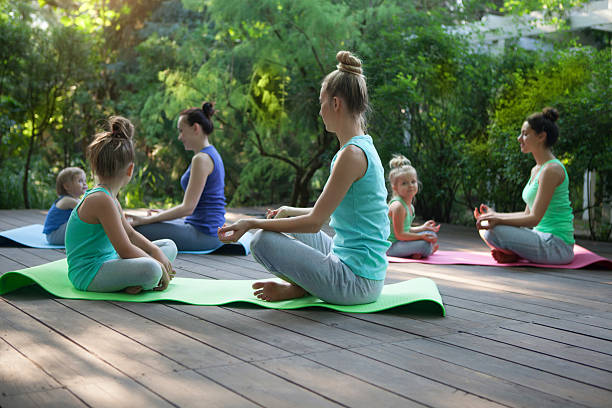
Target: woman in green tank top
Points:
(544, 232)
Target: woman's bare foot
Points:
(503, 256)
(435, 248)
(416, 256)
(273, 291)
(133, 290)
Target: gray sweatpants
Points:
(118, 274)
(405, 249)
(58, 236)
(534, 246)
(307, 261)
(185, 236)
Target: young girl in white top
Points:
(408, 241)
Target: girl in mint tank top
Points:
(104, 252)
(407, 241)
(351, 267)
(544, 232)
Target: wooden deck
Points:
(515, 337)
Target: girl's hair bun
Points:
(347, 62)
(121, 127)
(209, 109)
(399, 161)
(551, 114)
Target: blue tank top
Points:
(56, 217)
(209, 213)
(361, 221)
(87, 247)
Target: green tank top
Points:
(87, 247)
(361, 221)
(558, 218)
(407, 221)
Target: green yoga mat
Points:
(53, 277)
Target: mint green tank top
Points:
(361, 221)
(407, 221)
(87, 247)
(558, 218)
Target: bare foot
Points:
(273, 291)
(416, 256)
(435, 248)
(133, 290)
(504, 257)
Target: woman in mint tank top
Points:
(104, 252)
(544, 232)
(408, 241)
(351, 267)
(193, 224)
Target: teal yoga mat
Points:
(53, 277)
(32, 236)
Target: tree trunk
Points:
(26, 199)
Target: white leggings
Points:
(118, 274)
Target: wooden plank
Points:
(528, 358)
(267, 389)
(549, 347)
(399, 381)
(18, 375)
(7, 264)
(228, 341)
(352, 325)
(526, 376)
(496, 281)
(274, 335)
(336, 386)
(91, 379)
(484, 385)
(306, 327)
(208, 262)
(563, 336)
(60, 398)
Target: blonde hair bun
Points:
(347, 62)
(399, 161)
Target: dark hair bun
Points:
(120, 127)
(209, 109)
(551, 114)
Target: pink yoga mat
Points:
(582, 258)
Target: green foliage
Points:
(66, 66)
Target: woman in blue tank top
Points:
(351, 267)
(544, 232)
(193, 224)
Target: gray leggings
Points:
(534, 246)
(308, 262)
(185, 236)
(119, 274)
(58, 236)
(405, 249)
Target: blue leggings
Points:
(185, 236)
